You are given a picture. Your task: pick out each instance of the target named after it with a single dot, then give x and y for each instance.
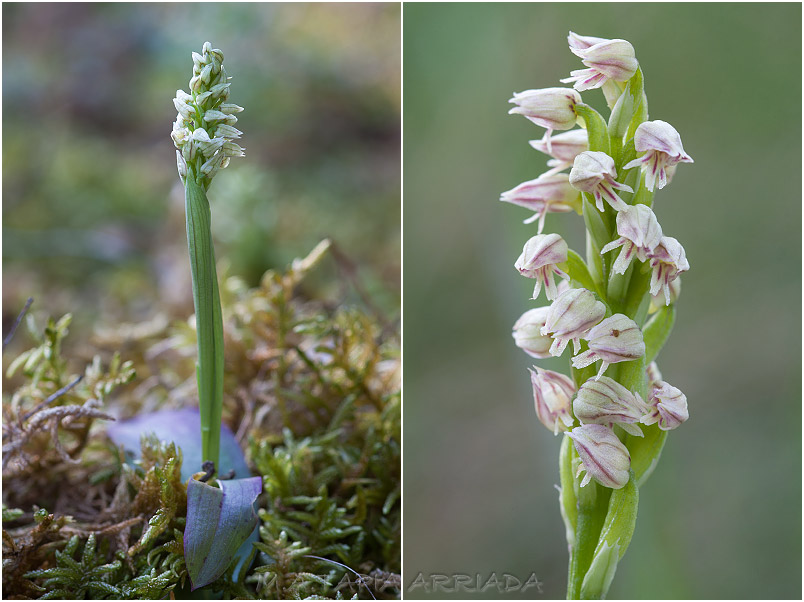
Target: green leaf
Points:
(657, 331)
(218, 522)
(645, 451)
(578, 272)
(615, 536)
(209, 322)
(596, 128)
(566, 498)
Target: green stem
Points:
(208, 318)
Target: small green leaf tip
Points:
(204, 131)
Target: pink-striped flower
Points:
(615, 339)
(667, 261)
(658, 300)
(565, 147)
(538, 260)
(594, 172)
(607, 402)
(639, 232)
(552, 397)
(606, 60)
(548, 194)
(550, 108)
(571, 316)
(603, 456)
(668, 406)
(661, 144)
(527, 333)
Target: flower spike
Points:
(538, 260)
(661, 144)
(594, 172)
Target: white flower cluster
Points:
(578, 313)
(204, 128)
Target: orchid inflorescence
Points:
(616, 307)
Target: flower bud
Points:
(639, 232)
(653, 374)
(527, 333)
(615, 339)
(181, 164)
(607, 402)
(552, 396)
(548, 194)
(571, 316)
(603, 456)
(667, 261)
(538, 260)
(550, 108)
(594, 172)
(668, 406)
(661, 144)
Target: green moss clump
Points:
(311, 391)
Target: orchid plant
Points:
(219, 519)
(617, 306)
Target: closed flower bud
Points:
(607, 402)
(639, 232)
(571, 316)
(181, 164)
(661, 144)
(552, 396)
(668, 406)
(603, 456)
(667, 261)
(548, 194)
(550, 108)
(538, 260)
(527, 333)
(594, 172)
(615, 339)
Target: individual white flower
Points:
(552, 397)
(668, 406)
(602, 454)
(538, 260)
(550, 108)
(661, 144)
(571, 316)
(594, 172)
(527, 333)
(667, 261)
(606, 60)
(564, 148)
(639, 232)
(550, 194)
(607, 402)
(615, 339)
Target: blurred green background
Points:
(93, 209)
(721, 516)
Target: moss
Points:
(311, 391)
